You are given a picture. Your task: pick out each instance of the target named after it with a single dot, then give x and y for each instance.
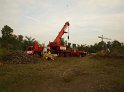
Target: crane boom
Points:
(59, 36)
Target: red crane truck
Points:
(56, 47)
(36, 49)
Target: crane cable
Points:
(68, 33)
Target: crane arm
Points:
(59, 36)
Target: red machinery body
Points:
(80, 53)
(36, 49)
(55, 47)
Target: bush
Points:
(117, 52)
(17, 57)
(2, 52)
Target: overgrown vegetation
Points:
(11, 42)
(70, 74)
(73, 74)
(114, 46)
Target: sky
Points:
(43, 19)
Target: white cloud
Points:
(108, 3)
(43, 19)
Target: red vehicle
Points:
(56, 47)
(36, 49)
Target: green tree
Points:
(74, 46)
(7, 36)
(20, 38)
(20, 42)
(6, 32)
(116, 44)
(0, 41)
(69, 45)
(28, 41)
(10, 40)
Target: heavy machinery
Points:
(56, 47)
(36, 49)
(39, 51)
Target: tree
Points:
(74, 46)
(20, 42)
(102, 45)
(0, 41)
(28, 41)
(6, 32)
(109, 44)
(69, 46)
(20, 38)
(7, 37)
(10, 40)
(116, 44)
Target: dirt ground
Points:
(73, 74)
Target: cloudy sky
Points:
(43, 19)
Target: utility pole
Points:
(102, 37)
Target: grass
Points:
(2, 50)
(87, 74)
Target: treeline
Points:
(115, 48)
(10, 41)
(102, 46)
